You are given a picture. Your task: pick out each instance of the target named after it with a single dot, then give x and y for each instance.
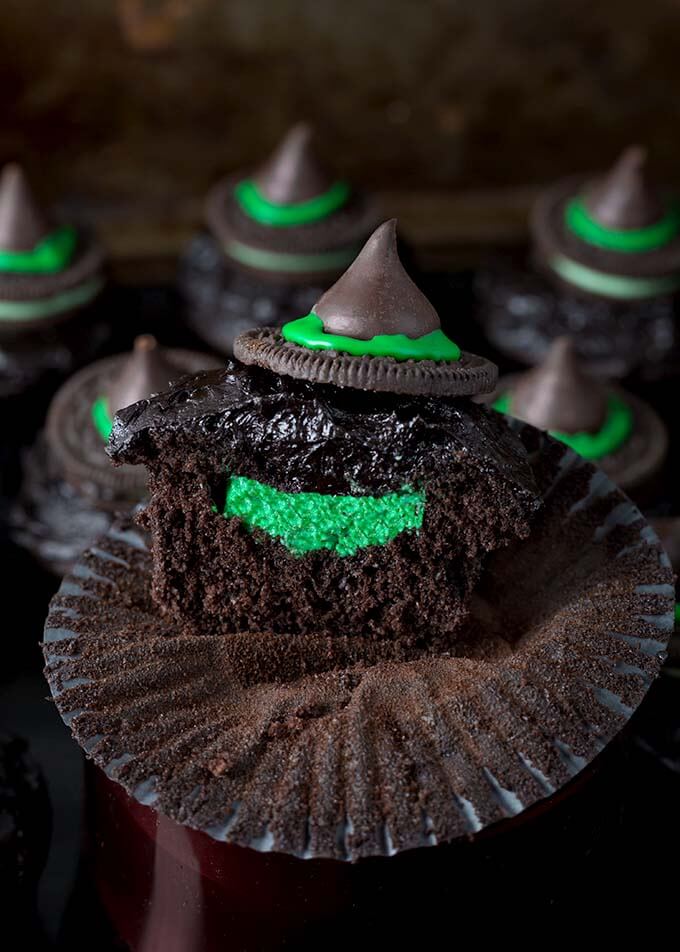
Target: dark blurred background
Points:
(132, 107)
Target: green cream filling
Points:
(101, 418)
(50, 306)
(308, 332)
(614, 432)
(282, 261)
(50, 255)
(256, 206)
(627, 241)
(306, 522)
(611, 285)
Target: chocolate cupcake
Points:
(371, 620)
(602, 423)
(605, 269)
(51, 277)
(279, 235)
(70, 492)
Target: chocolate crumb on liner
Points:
(348, 748)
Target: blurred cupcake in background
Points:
(51, 277)
(279, 235)
(602, 423)
(70, 491)
(604, 267)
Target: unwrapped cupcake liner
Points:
(377, 752)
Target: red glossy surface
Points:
(166, 888)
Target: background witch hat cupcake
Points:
(46, 271)
(602, 423)
(604, 268)
(283, 230)
(372, 330)
(615, 236)
(70, 492)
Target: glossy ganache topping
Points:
(297, 437)
(560, 397)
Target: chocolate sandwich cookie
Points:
(70, 490)
(281, 234)
(602, 423)
(605, 268)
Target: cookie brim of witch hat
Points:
(371, 753)
(77, 450)
(312, 251)
(553, 238)
(267, 348)
(28, 300)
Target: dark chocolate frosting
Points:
(625, 198)
(376, 296)
(22, 221)
(559, 395)
(299, 436)
(293, 173)
(145, 371)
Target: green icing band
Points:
(614, 432)
(611, 285)
(256, 206)
(50, 255)
(306, 522)
(308, 332)
(677, 612)
(102, 418)
(292, 263)
(630, 240)
(49, 306)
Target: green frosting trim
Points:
(102, 418)
(50, 255)
(308, 332)
(49, 306)
(306, 522)
(629, 240)
(615, 430)
(611, 285)
(677, 612)
(256, 206)
(292, 263)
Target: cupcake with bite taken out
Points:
(363, 619)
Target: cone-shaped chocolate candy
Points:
(625, 198)
(293, 173)
(559, 395)
(376, 296)
(145, 371)
(22, 222)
